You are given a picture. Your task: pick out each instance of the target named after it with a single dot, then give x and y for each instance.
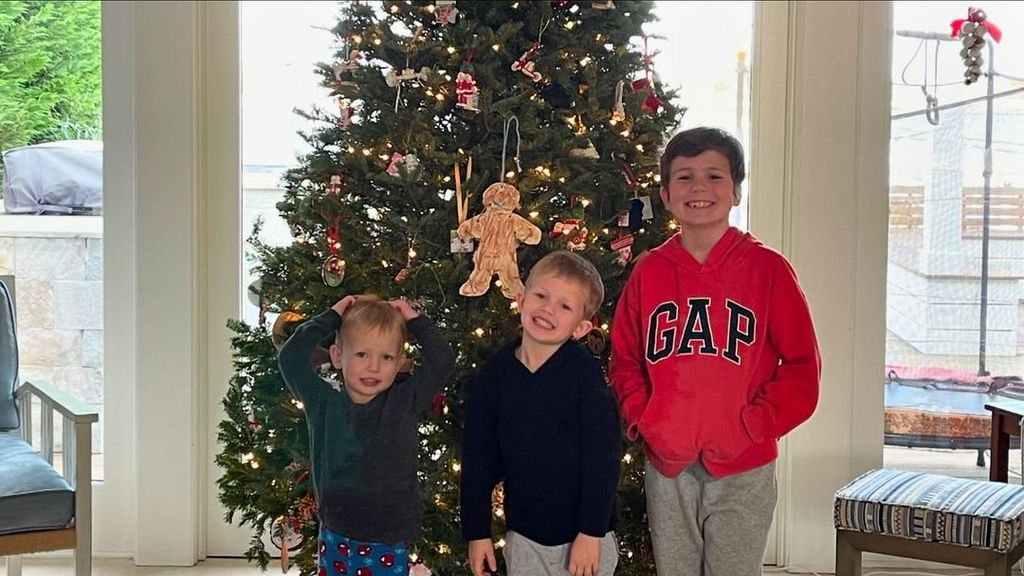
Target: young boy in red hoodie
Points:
(714, 357)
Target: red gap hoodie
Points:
(714, 361)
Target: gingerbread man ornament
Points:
(499, 230)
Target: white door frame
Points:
(223, 170)
(172, 261)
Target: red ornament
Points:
(651, 103)
(526, 64)
(574, 230)
(465, 87)
(343, 549)
(340, 567)
(322, 571)
(388, 560)
(446, 11)
(972, 32)
(438, 403)
(364, 572)
(364, 550)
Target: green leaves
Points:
(50, 79)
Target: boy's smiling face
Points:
(369, 361)
(700, 191)
(552, 310)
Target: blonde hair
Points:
(370, 313)
(573, 267)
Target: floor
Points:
(225, 567)
(124, 567)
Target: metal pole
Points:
(741, 72)
(926, 35)
(987, 191)
(986, 212)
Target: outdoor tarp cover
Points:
(63, 177)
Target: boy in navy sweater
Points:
(540, 417)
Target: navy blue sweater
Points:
(552, 436)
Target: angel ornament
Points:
(499, 230)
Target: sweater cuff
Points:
(471, 532)
(330, 317)
(755, 423)
(417, 321)
(588, 530)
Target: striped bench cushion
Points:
(934, 508)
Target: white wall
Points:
(820, 152)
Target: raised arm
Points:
(438, 361)
(294, 359)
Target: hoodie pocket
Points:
(725, 437)
(670, 427)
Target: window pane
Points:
(51, 214)
(945, 359)
(275, 82)
(709, 68)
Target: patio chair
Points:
(40, 509)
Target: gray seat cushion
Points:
(32, 495)
(8, 362)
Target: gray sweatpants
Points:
(524, 557)
(706, 526)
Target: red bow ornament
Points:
(978, 17)
(526, 64)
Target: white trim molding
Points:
(152, 263)
(819, 181)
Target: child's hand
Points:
(585, 556)
(342, 305)
(481, 557)
(404, 309)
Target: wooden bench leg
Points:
(1000, 567)
(848, 556)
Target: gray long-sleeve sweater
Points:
(364, 456)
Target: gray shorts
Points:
(524, 557)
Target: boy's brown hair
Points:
(693, 142)
(371, 313)
(576, 268)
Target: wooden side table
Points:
(1006, 416)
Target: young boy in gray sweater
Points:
(363, 437)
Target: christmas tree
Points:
(437, 103)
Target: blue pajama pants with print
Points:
(343, 556)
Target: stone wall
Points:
(57, 265)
